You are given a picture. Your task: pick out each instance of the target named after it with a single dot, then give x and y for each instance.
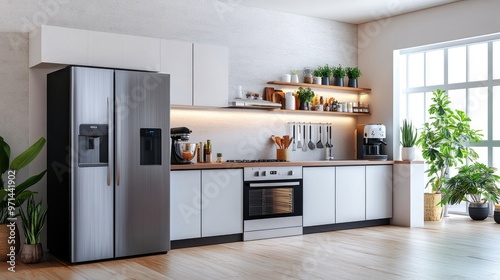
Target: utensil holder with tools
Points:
(282, 154)
(282, 145)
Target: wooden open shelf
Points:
(357, 90)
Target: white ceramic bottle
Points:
(289, 101)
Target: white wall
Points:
(378, 39)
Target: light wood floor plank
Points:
(456, 248)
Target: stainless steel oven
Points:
(272, 201)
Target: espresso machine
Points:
(182, 152)
(371, 141)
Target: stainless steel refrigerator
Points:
(108, 163)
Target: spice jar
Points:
(219, 157)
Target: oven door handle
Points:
(277, 184)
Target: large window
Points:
(470, 72)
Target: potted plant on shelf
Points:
(317, 76)
(353, 73)
(33, 222)
(444, 140)
(305, 96)
(338, 75)
(19, 191)
(295, 76)
(475, 183)
(326, 73)
(408, 139)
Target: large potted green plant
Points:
(305, 96)
(353, 73)
(475, 183)
(338, 75)
(444, 140)
(33, 222)
(13, 193)
(408, 140)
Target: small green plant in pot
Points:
(317, 76)
(295, 76)
(353, 73)
(475, 183)
(33, 222)
(305, 96)
(408, 140)
(338, 75)
(326, 73)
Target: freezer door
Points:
(92, 183)
(142, 163)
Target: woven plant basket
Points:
(432, 211)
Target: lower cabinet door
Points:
(222, 202)
(350, 197)
(319, 195)
(378, 192)
(185, 204)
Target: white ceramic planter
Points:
(408, 153)
(317, 80)
(295, 78)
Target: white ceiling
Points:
(349, 11)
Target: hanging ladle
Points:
(311, 144)
(319, 145)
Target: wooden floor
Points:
(456, 248)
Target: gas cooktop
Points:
(255, 160)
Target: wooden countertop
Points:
(224, 165)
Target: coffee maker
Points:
(371, 141)
(182, 152)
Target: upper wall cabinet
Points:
(177, 60)
(52, 44)
(211, 75)
(142, 53)
(59, 45)
(105, 49)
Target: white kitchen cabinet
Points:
(211, 75)
(378, 192)
(350, 194)
(105, 49)
(141, 53)
(222, 202)
(177, 60)
(53, 44)
(185, 204)
(319, 196)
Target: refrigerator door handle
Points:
(110, 140)
(117, 149)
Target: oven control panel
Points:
(272, 173)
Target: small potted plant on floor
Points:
(33, 222)
(475, 183)
(338, 75)
(9, 170)
(305, 96)
(408, 139)
(353, 73)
